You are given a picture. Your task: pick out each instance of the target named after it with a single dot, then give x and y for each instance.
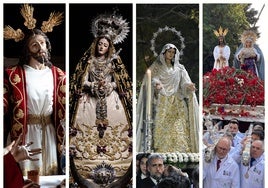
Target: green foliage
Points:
(235, 17)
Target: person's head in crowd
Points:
(195, 177)
(229, 135)
(257, 135)
(178, 182)
(223, 147)
(233, 126)
(258, 126)
(138, 158)
(142, 164)
(173, 171)
(257, 149)
(155, 166)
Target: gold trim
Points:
(38, 119)
(221, 32)
(26, 11)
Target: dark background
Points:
(81, 37)
(41, 13)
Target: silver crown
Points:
(112, 26)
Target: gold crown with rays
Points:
(26, 11)
(221, 32)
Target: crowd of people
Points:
(152, 173)
(232, 158)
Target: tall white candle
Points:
(149, 97)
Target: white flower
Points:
(177, 157)
(174, 158)
(180, 157)
(185, 157)
(164, 158)
(160, 30)
(197, 157)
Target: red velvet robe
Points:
(15, 102)
(12, 173)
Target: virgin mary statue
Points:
(172, 123)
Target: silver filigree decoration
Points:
(112, 26)
(166, 29)
(103, 173)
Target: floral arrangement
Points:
(181, 160)
(232, 86)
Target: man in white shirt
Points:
(222, 171)
(234, 129)
(253, 174)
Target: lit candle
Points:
(148, 103)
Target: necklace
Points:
(100, 69)
(246, 175)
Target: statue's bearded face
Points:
(38, 49)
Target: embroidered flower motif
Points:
(19, 114)
(63, 88)
(16, 79)
(16, 127)
(63, 100)
(61, 114)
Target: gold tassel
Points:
(10, 33)
(55, 19)
(27, 13)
